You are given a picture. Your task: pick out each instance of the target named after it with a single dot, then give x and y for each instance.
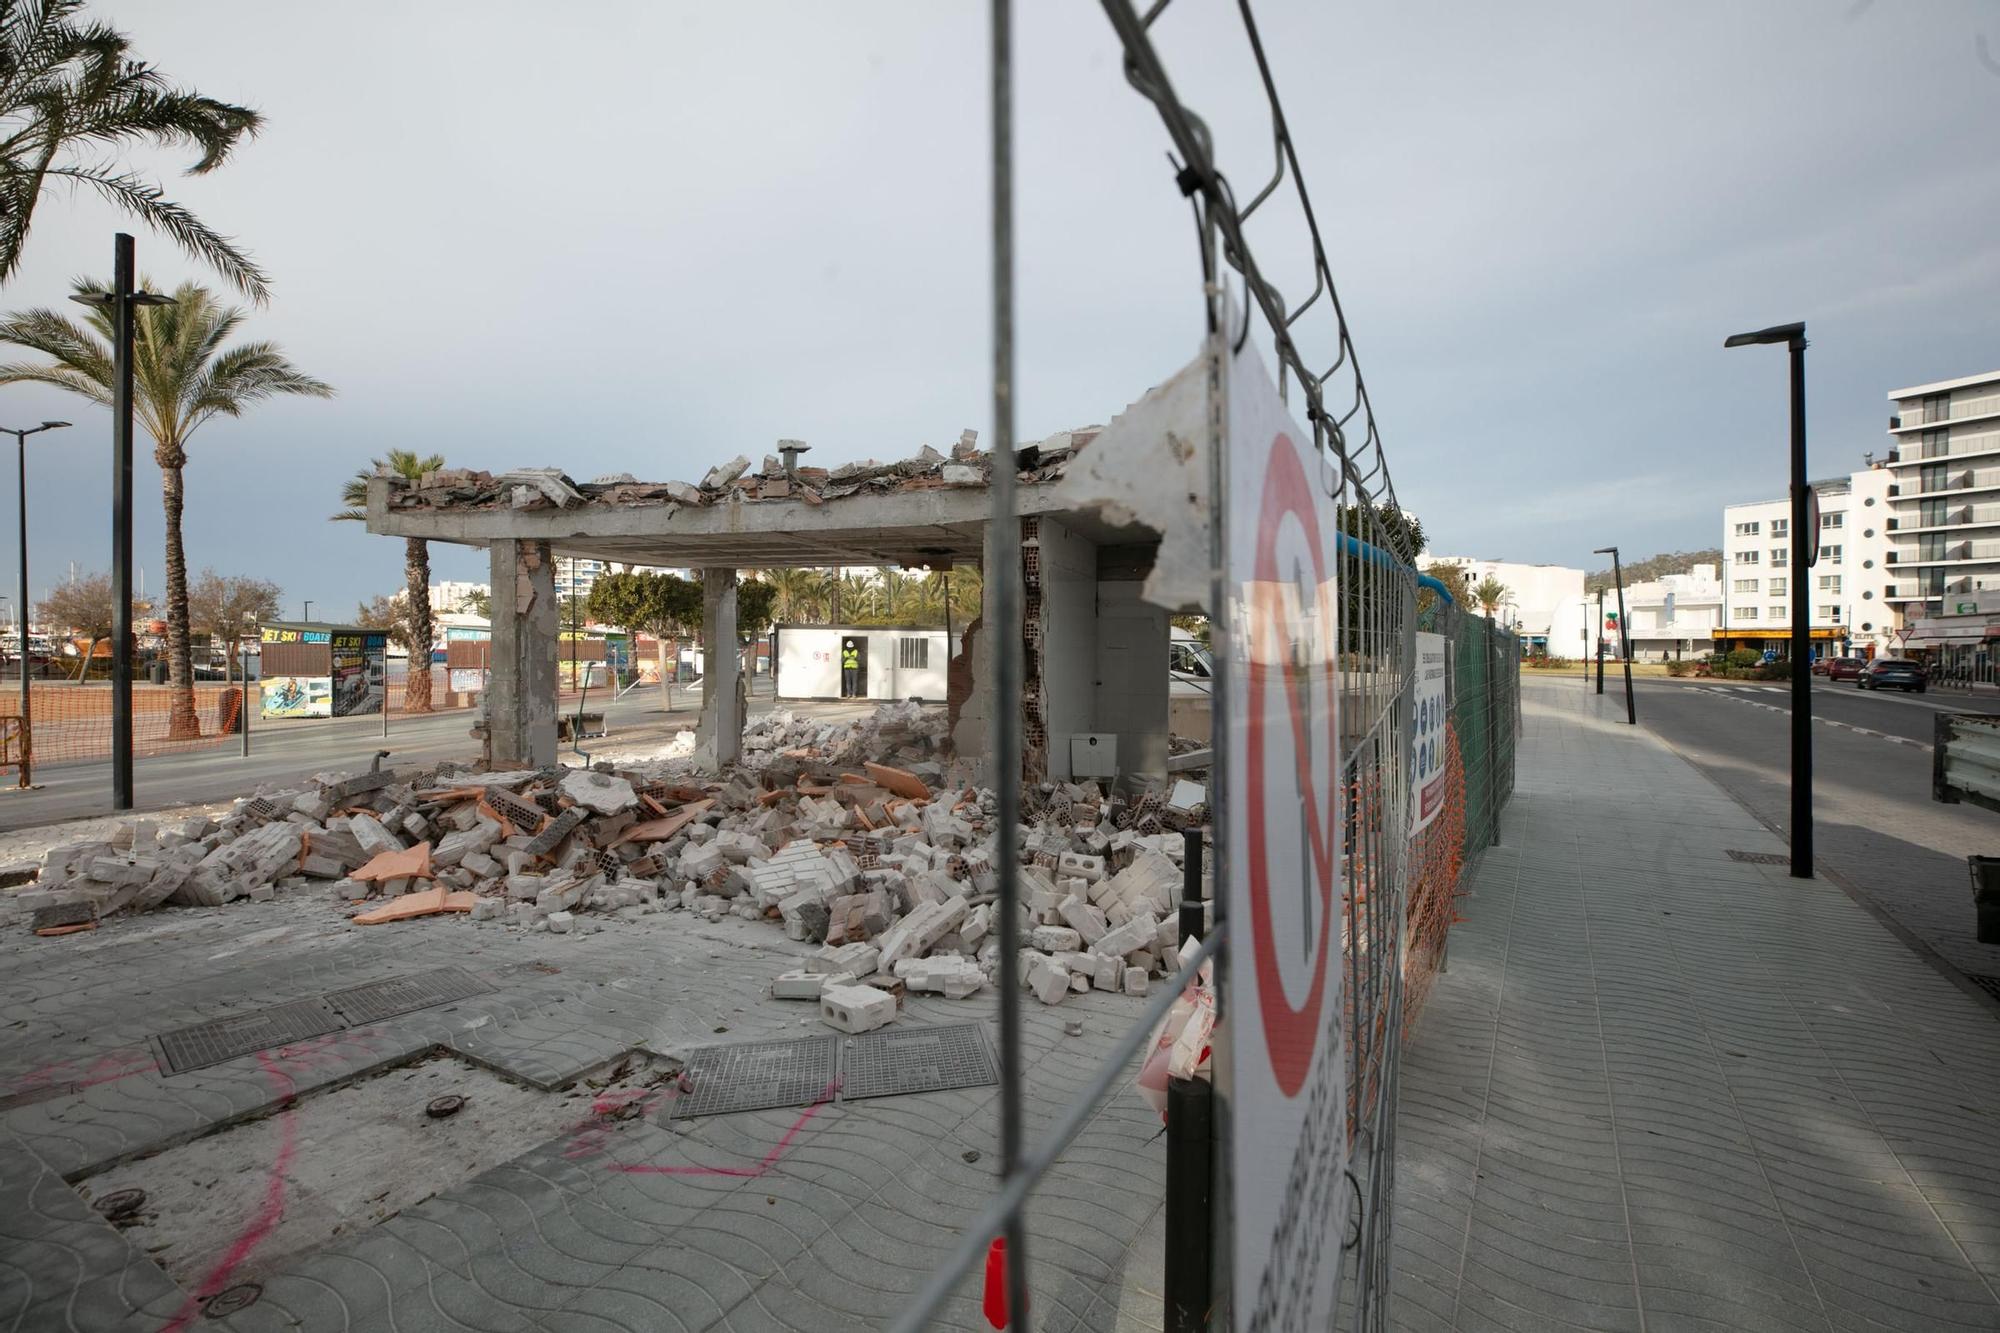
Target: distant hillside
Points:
(1670, 562)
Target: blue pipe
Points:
(1354, 546)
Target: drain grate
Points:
(1761, 858)
(211, 1043)
(890, 1063)
(402, 995)
(755, 1076)
(1991, 985)
(752, 1076)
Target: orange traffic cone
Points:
(996, 1283)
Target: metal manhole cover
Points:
(1991, 985)
(1761, 858)
(211, 1043)
(402, 995)
(890, 1063)
(752, 1076)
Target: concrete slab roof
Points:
(898, 514)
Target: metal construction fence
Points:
(1385, 753)
(71, 721)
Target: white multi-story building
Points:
(1848, 585)
(574, 575)
(450, 594)
(1946, 466)
(1536, 594)
(1672, 617)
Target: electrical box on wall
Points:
(1093, 754)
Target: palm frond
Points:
(81, 385)
(61, 339)
(150, 204)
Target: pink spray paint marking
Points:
(76, 1075)
(268, 1215)
(771, 1158)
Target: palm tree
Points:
(71, 89)
(182, 375)
(860, 595)
(410, 466)
(802, 594)
(1489, 594)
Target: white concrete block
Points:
(856, 1008)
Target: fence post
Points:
(1492, 736)
(1190, 1148)
(1193, 919)
(1190, 1151)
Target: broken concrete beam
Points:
(602, 792)
(954, 978)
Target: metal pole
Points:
(1191, 922)
(122, 311)
(1624, 638)
(21, 607)
(1006, 639)
(1805, 546)
(243, 706)
(1190, 1160)
(1600, 640)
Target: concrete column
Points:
(521, 691)
(719, 735)
(971, 722)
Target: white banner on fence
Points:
(1427, 747)
(1285, 1036)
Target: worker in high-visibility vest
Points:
(850, 669)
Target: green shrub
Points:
(1744, 657)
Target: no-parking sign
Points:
(1284, 1038)
(1427, 745)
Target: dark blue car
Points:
(1892, 673)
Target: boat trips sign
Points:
(1285, 1038)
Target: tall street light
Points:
(1805, 554)
(1624, 630)
(122, 303)
(21, 606)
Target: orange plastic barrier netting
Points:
(1437, 857)
(71, 721)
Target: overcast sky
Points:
(679, 232)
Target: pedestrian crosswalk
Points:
(1738, 693)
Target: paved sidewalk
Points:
(1661, 1088)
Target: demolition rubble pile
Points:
(545, 488)
(852, 836)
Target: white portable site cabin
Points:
(893, 662)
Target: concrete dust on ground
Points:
(343, 1161)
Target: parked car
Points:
(1898, 673)
(1821, 665)
(1845, 668)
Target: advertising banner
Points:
(297, 696)
(1285, 1038)
(1427, 742)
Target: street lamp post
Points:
(1624, 633)
(1805, 554)
(123, 302)
(21, 605)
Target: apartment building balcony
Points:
(1972, 409)
(1909, 455)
